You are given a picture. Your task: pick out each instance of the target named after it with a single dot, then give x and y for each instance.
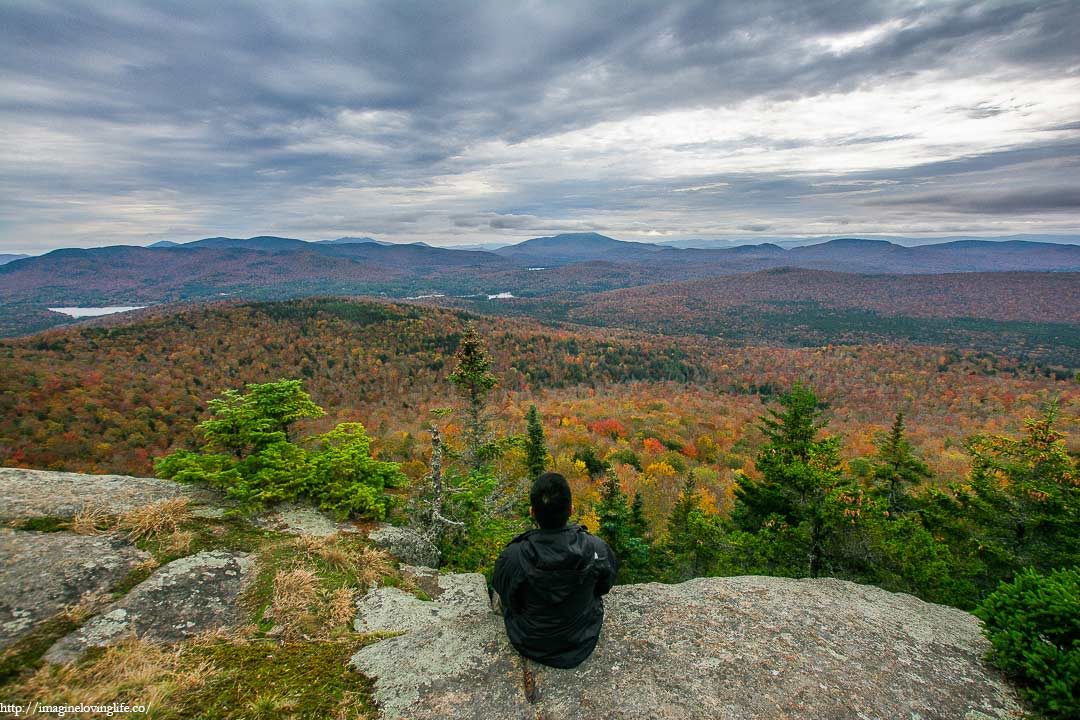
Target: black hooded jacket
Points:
(550, 583)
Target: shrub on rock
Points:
(250, 456)
(1033, 624)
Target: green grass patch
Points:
(260, 679)
(134, 576)
(228, 533)
(45, 523)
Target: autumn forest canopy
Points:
(653, 411)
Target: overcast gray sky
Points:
(462, 122)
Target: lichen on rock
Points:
(293, 519)
(188, 596)
(43, 573)
(454, 661)
(407, 545)
(709, 648)
(388, 609)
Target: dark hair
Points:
(550, 499)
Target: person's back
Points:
(550, 581)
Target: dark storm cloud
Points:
(231, 111)
(467, 222)
(1009, 202)
(513, 221)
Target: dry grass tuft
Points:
(133, 671)
(150, 564)
(156, 519)
(92, 520)
(371, 565)
(313, 547)
(366, 563)
(343, 606)
(296, 593)
(311, 584)
(294, 590)
(179, 543)
(336, 557)
(310, 544)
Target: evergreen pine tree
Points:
(613, 512)
(249, 422)
(473, 380)
(1025, 498)
(798, 469)
(535, 445)
(617, 529)
(679, 541)
(694, 540)
(792, 430)
(896, 469)
(638, 524)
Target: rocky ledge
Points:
(710, 648)
(44, 573)
(42, 493)
(716, 648)
(186, 597)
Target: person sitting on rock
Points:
(549, 581)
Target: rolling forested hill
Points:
(1016, 296)
(109, 396)
(1034, 316)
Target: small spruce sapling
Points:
(473, 380)
(620, 529)
(896, 469)
(536, 453)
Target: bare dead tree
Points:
(437, 522)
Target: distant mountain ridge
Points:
(853, 254)
(575, 246)
(259, 242)
(274, 242)
(902, 240)
(271, 267)
(581, 247)
(352, 240)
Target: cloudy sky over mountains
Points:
(464, 122)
